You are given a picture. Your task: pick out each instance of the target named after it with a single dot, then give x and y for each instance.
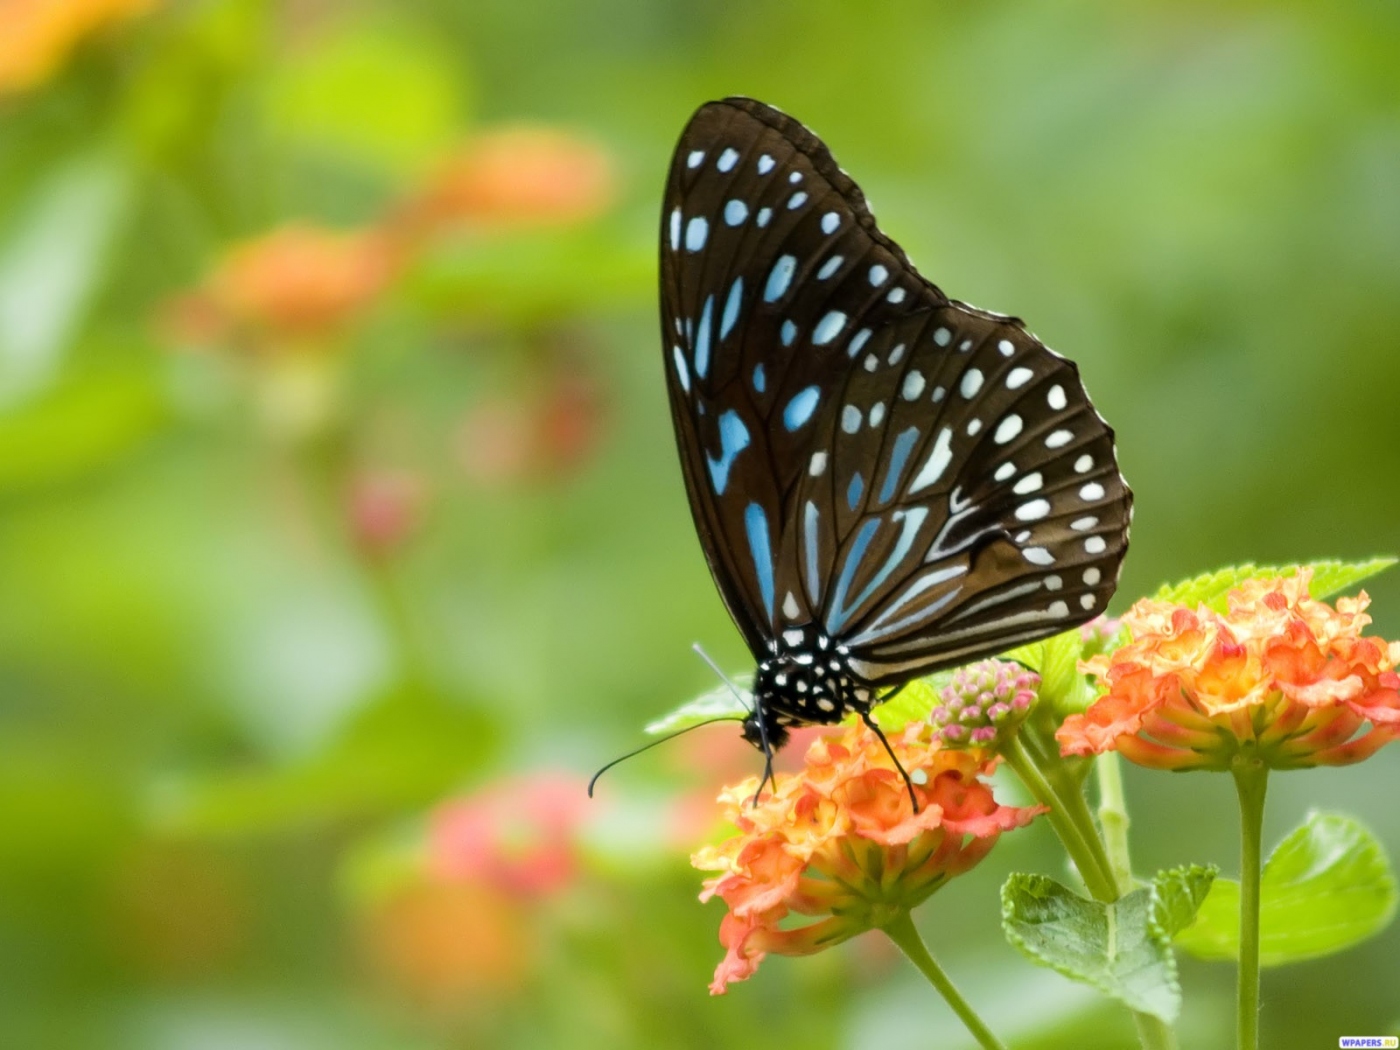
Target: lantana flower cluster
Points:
(841, 842)
(1280, 677)
(983, 703)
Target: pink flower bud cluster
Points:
(982, 703)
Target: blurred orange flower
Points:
(840, 841)
(1281, 676)
(37, 36)
(517, 175)
(518, 836)
(448, 944)
(301, 280)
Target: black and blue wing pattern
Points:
(872, 467)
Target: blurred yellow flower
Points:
(1281, 675)
(37, 36)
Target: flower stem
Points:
(1105, 869)
(1113, 818)
(1075, 829)
(901, 930)
(1251, 782)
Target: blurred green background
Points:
(341, 534)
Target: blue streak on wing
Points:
(903, 445)
(756, 524)
(799, 410)
(839, 613)
(731, 307)
(810, 524)
(911, 521)
(702, 339)
(733, 439)
(854, 490)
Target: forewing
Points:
(925, 479)
(768, 263)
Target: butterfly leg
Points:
(767, 777)
(870, 724)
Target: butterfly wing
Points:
(845, 430)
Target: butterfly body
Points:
(886, 482)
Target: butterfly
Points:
(886, 482)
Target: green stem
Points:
(1106, 870)
(1113, 818)
(1251, 782)
(1076, 832)
(901, 930)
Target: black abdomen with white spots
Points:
(909, 480)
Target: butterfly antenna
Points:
(738, 693)
(652, 743)
(870, 724)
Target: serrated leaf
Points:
(1327, 886)
(1329, 577)
(717, 703)
(1179, 894)
(1120, 948)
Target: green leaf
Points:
(78, 428)
(912, 704)
(1329, 577)
(1056, 660)
(408, 748)
(1179, 894)
(717, 703)
(52, 260)
(1121, 949)
(381, 91)
(1327, 886)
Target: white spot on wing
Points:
(1033, 510)
(937, 461)
(1018, 377)
(1039, 556)
(1007, 429)
(1091, 492)
(1030, 483)
(1095, 545)
(735, 212)
(1084, 464)
(830, 222)
(850, 419)
(913, 386)
(971, 383)
(817, 465)
(765, 164)
(696, 156)
(1055, 397)
(727, 159)
(1059, 438)
(1005, 471)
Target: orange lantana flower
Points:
(1279, 677)
(840, 841)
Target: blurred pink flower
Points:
(518, 835)
(386, 508)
